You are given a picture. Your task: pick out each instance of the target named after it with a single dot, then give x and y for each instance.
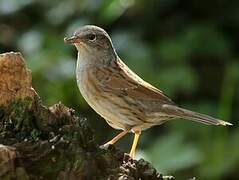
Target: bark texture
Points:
(37, 142)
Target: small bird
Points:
(115, 92)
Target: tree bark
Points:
(37, 142)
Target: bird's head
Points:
(91, 40)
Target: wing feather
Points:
(122, 81)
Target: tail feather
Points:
(194, 116)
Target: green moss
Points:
(18, 119)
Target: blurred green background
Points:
(189, 49)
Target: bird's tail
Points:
(194, 116)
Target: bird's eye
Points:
(92, 37)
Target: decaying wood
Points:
(37, 142)
(15, 79)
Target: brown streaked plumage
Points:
(115, 92)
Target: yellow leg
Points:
(116, 138)
(135, 142)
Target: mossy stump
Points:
(37, 142)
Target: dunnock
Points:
(122, 98)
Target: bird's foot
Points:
(127, 157)
(106, 146)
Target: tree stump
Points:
(37, 142)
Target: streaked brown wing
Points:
(125, 82)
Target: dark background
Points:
(189, 49)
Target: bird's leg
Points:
(116, 138)
(134, 145)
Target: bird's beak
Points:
(72, 40)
